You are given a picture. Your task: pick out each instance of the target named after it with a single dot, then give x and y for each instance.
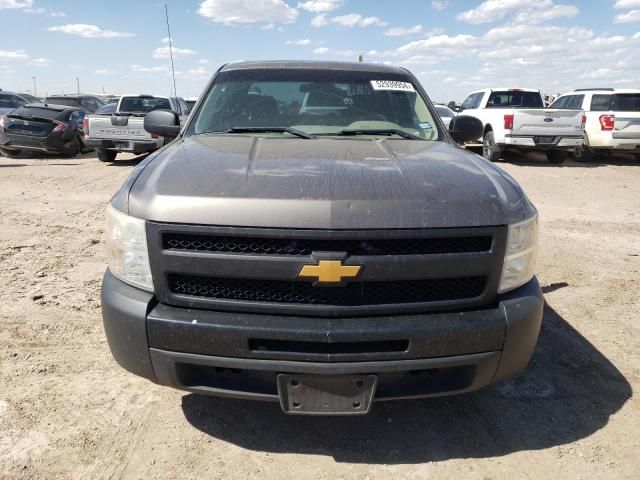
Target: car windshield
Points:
(315, 102)
(143, 104)
(444, 112)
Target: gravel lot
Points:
(68, 411)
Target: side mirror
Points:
(465, 128)
(164, 123)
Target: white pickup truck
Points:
(123, 131)
(613, 120)
(515, 118)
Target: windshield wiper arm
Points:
(379, 131)
(292, 131)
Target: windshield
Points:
(143, 104)
(316, 102)
(444, 112)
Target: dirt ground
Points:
(68, 411)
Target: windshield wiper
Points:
(292, 131)
(379, 131)
(129, 114)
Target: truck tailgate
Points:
(627, 125)
(547, 122)
(117, 127)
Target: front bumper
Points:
(240, 355)
(135, 146)
(544, 142)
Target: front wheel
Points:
(73, 148)
(490, 150)
(557, 156)
(105, 155)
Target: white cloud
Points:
(247, 11)
(321, 51)
(103, 71)
(165, 40)
(89, 31)
(542, 15)
(13, 55)
(348, 21)
(319, 20)
(304, 41)
(198, 73)
(527, 11)
(321, 6)
(440, 4)
(404, 31)
(15, 4)
(203, 61)
(142, 69)
(628, 17)
(163, 52)
(39, 62)
(627, 4)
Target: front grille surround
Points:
(392, 283)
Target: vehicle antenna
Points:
(173, 72)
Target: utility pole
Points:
(78, 84)
(173, 72)
(35, 91)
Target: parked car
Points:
(108, 109)
(87, 103)
(40, 127)
(10, 101)
(613, 120)
(191, 102)
(30, 98)
(326, 260)
(123, 130)
(515, 118)
(446, 114)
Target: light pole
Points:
(78, 83)
(35, 91)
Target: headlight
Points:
(127, 253)
(520, 257)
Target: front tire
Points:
(105, 155)
(490, 150)
(72, 149)
(557, 156)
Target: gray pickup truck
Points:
(324, 257)
(123, 130)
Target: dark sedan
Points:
(39, 127)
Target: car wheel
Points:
(72, 148)
(584, 154)
(105, 155)
(557, 156)
(490, 150)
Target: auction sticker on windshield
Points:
(392, 85)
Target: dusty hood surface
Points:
(324, 183)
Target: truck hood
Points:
(323, 183)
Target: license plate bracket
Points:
(326, 394)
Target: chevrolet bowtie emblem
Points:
(329, 271)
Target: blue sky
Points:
(453, 46)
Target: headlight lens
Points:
(520, 257)
(127, 253)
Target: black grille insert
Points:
(300, 246)
(353, 294)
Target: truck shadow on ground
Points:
(568, 392)
(539, 159)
